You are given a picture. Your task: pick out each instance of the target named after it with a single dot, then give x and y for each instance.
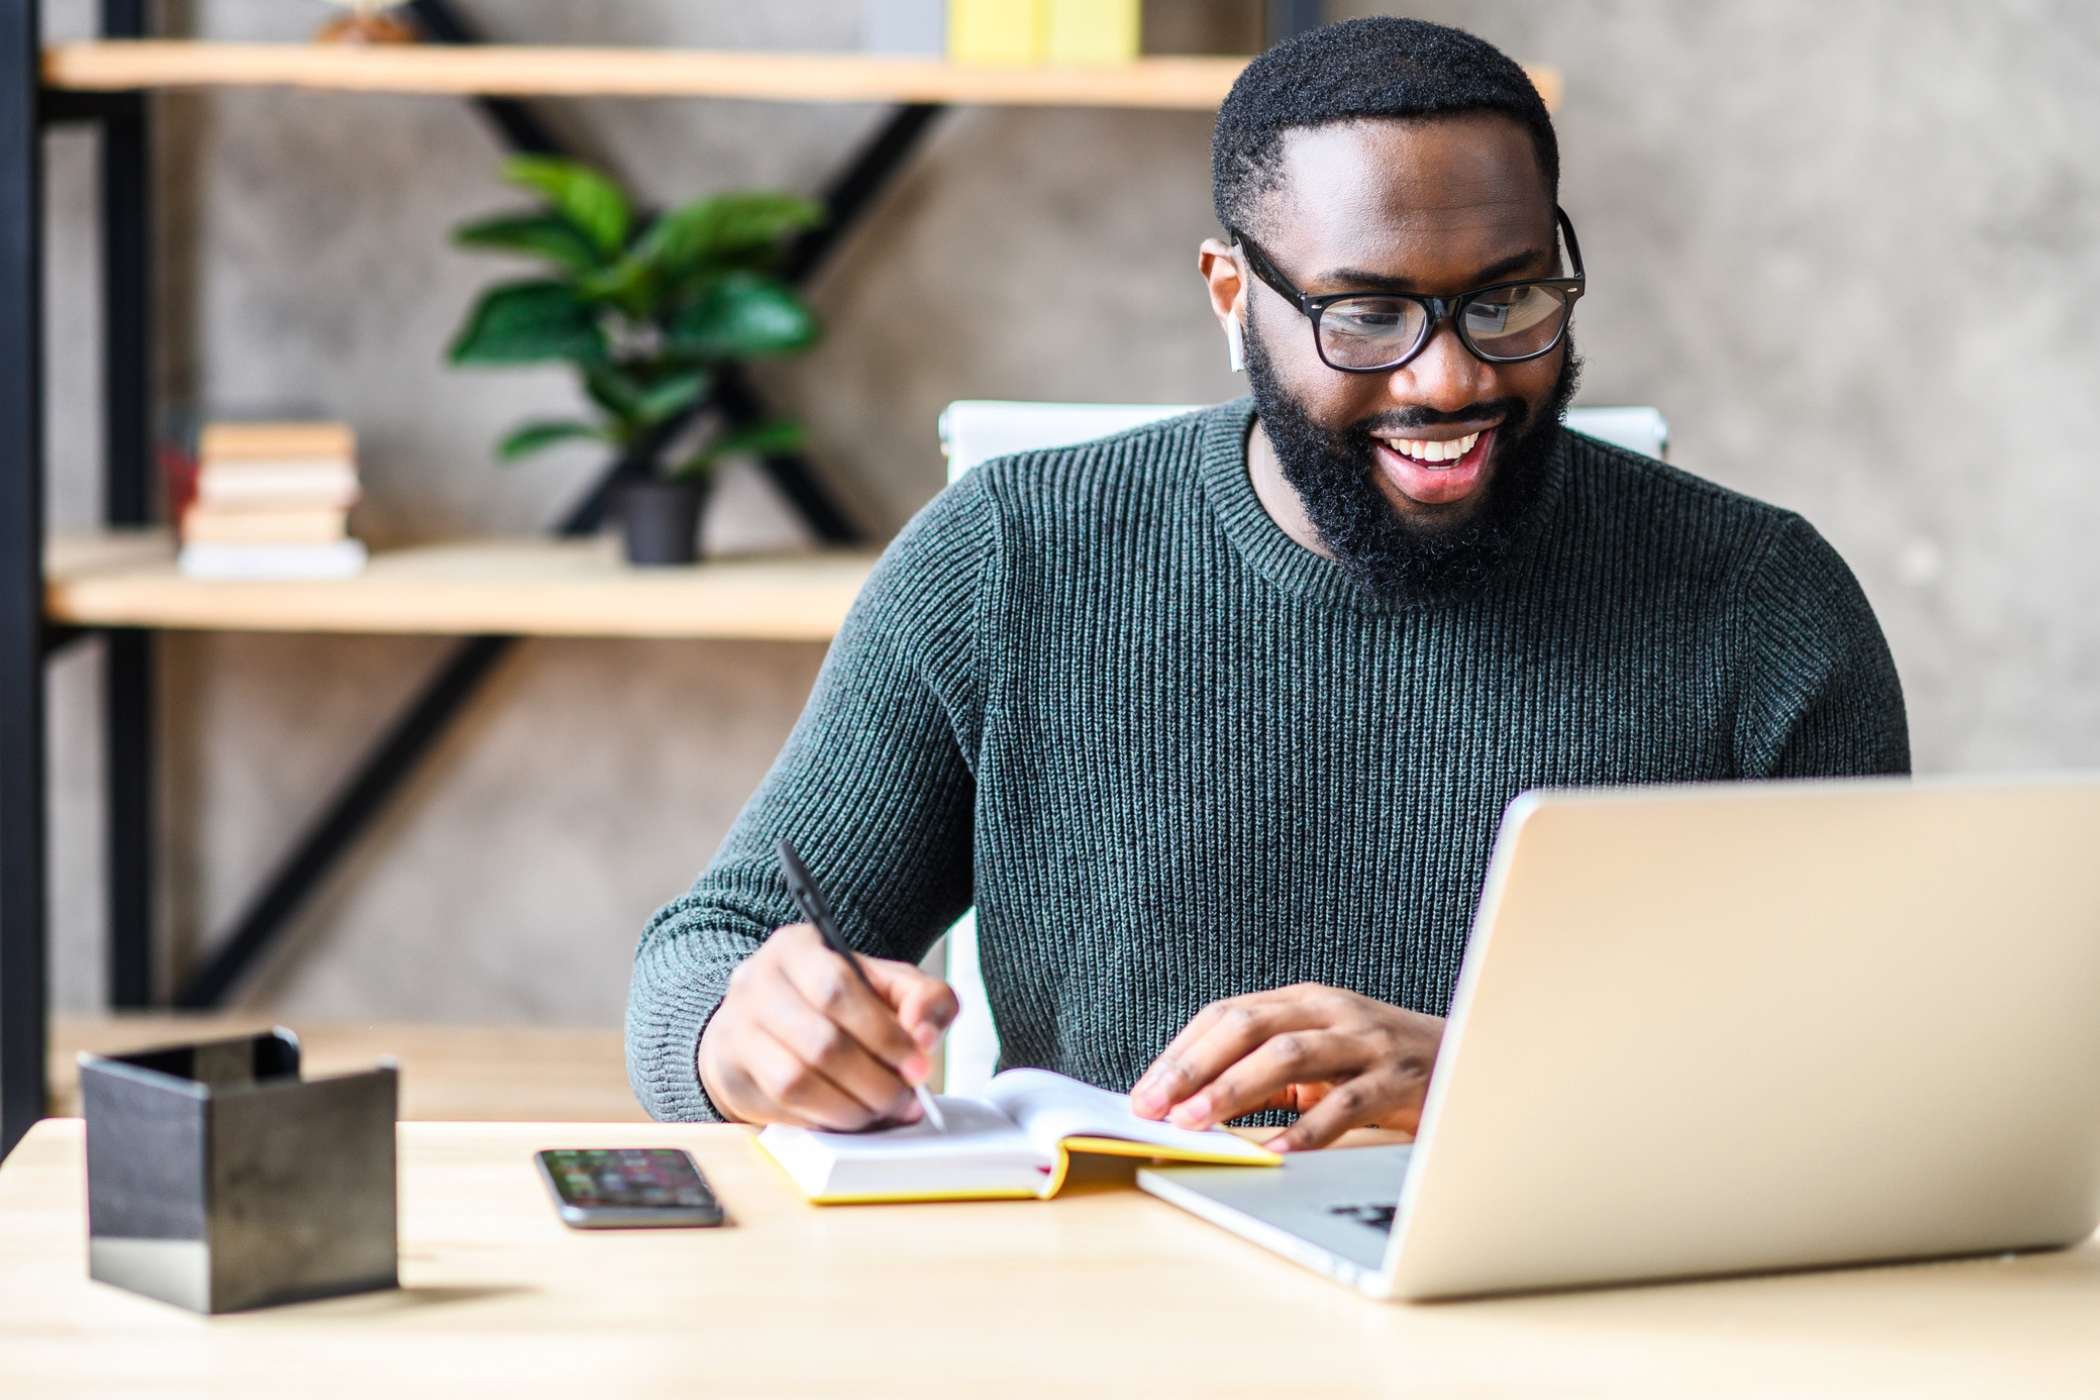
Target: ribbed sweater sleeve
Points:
(1822, 698)
(874, 786)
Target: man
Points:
(1214, 720)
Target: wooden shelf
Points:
(513, 70)
(522, 586)
(517, 70)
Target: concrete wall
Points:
(1854, 252)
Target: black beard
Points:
(1387, 554)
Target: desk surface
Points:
(1103, 1290)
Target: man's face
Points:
(1439, 207)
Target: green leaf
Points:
(614, 390)
(630, 284)
(579, 194)
(742, 314)
(531, 437)
(666, 397)
(759, 439)
(520, 322)
(724, 226)
(539, 235)
(702, 238)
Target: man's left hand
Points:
(1338, 1059)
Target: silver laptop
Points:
(1736, 1028)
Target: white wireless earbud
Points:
(1235, 348)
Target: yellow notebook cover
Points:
(995, 31)
(1015, 1143)
(1090, 31)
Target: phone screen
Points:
(628, 1186)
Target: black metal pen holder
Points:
(218, 1179)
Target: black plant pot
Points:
(662, 520)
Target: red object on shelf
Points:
(178, 474)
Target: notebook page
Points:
(981, 1150)
(1051, 1107)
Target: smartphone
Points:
(609, 1188)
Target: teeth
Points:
(1433, 452)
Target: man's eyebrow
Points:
(1353, 278)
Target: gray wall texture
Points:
(1852, 250)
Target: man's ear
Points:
(1227, 289)
(1221, 276)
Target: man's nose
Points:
(1445, 376)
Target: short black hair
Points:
(1378, 67)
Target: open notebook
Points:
(1015, 1142)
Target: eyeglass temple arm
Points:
(1258, 263)
(1567, 231)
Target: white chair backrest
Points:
(976, 430)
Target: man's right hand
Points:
(799, 1040)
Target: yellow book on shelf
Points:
(1090, 31)
(1015, 1143)
(995, 31)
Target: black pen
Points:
(811, 901)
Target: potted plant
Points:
(649, 311)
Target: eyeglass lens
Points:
(1507, 324)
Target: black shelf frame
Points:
(27, 641)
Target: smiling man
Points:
(1214, 720)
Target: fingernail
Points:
(1195, 1113)
(1147, 1101)
(1279, 1144)
(915, 1069)
(926, 1034)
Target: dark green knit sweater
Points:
(1173, 756)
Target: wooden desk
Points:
(1103, 1291)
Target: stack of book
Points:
(272, 500)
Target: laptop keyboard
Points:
(1378, 1217)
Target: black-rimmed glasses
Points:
(1365, 332)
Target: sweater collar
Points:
(1297, 570)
